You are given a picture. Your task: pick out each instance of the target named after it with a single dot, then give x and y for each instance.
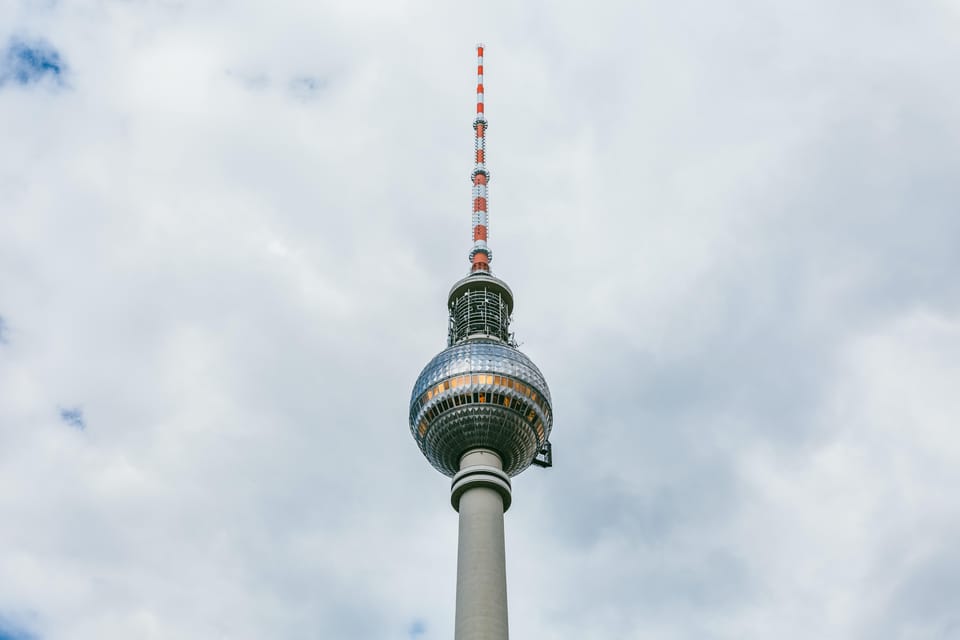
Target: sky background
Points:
(227, 231)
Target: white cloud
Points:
(730, 231)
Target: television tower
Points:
(481, 413)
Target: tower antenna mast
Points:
(480, 255)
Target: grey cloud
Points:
(702, 210)
(919, 584)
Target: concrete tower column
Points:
(480, 492)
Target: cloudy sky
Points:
(227, 230)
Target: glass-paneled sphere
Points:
(480, 393)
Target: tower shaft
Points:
(479, 495)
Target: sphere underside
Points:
(480, 394)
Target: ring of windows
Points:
(517, 397)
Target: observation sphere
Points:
(480, 393)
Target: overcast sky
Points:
(227, 230)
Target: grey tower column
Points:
(481, 493)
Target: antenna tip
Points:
(479, 45)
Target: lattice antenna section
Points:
(480, 306)
(480, 255)
(479, 313)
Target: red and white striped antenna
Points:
(480, 255)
